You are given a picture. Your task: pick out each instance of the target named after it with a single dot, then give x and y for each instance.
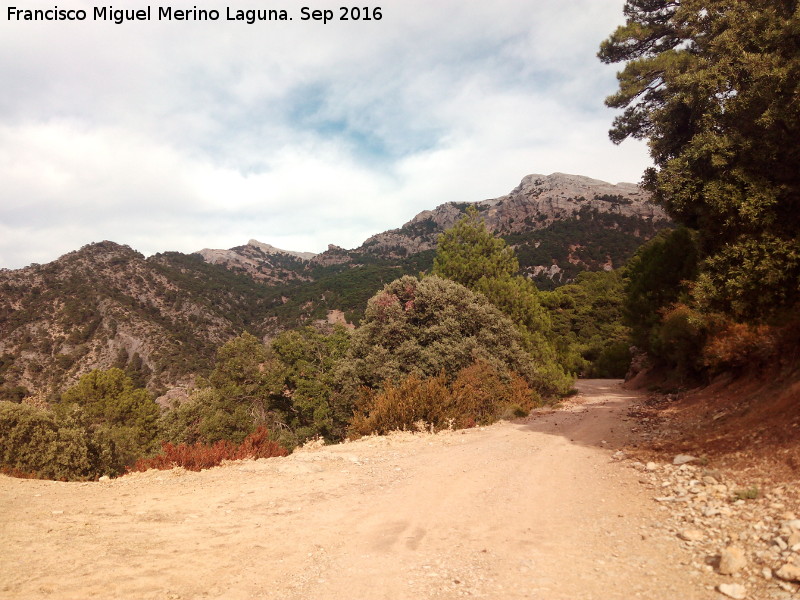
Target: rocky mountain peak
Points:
(575, 186)
(269, 249)
(261, 261)
(536, 203)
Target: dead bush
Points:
(480, 394)
(195, 457)
(736, 345)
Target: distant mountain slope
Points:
(105, 305)
(261, 261)
(559, 225)
(162, 318)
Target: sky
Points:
(183, 135)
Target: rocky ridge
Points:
(261, 261)
(540, 203)
(537, 202)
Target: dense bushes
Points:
(108, 405)
(479, 394)
(433, 325)
(309, 358)
(734, 346)
(36, 442)
(587, 320)
(99, 426)
(655, 278)
(287, 387)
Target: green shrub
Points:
(656, 278)
(470, 255)
(613, 361)
(432, 326)
(679, 338)
(118, 415)
(33, 441)
(308, 358)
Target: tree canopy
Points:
(713, 87)
(467, 252)
(432, 326)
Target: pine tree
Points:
(468, 252)
(713, 87)
(470, 255)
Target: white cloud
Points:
(178, 136)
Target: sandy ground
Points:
(531, 509)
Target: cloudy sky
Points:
(168, 135)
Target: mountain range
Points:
(161, 318)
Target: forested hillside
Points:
(161, 319)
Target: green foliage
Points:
(288, 387)
(246, 372)
(470, 255)
(657, 277)
(35, 441)
(752, 277)
(13, 393)
(467, 253)
(115, 411)
(344, 287)
(308, 358)
(678, 340)
(109, 397)
(751, 493)
(588, 325)
(713, 86)
(436, 326)
(242, 393)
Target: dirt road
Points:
(532, 509)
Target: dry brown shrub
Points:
(399, 406)
(736, 345)
(483, 394)
(17, 473)
(480, 394)
(196, 457)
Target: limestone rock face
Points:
(537, 203)
(261, 261)
(543, 199)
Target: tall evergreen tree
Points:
(713, 87)
(469, 254)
